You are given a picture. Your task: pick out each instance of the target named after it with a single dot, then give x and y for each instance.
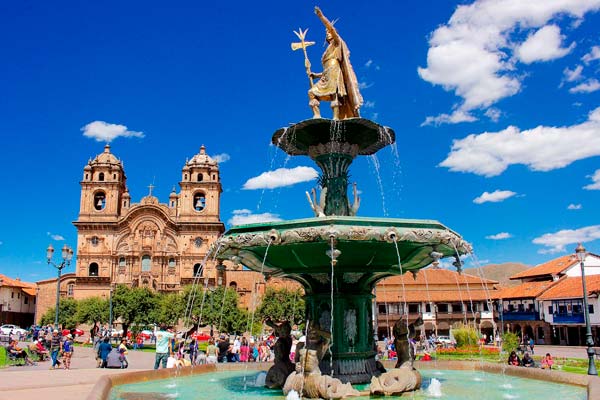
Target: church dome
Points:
(106, 157)
(201, 158)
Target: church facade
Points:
(151, 244)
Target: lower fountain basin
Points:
(459, 380)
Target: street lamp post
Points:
(67, 255)
(580, 252)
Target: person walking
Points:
(104, 349)
(193, 351)
(55, 348)
(67, 349)
(163, 348)
(123, 353)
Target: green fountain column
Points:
(334, 179)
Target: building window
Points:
(93, 269)
(185, 177)
(101, 176)
(99, 201)
(214, 177)
(382, 309)
(200, 177)
(233, 285)
(199, 201)
(590, 308)
(25, 299)
(114, 176)
(12, 295)
(87, 176)
(442, 307)
(413, 308)
(171, 263)
(122, 262)
(486, 306)
(146, 263)
(549, 309)
(428, 307)
(198, 270)
(94, 240)
(70, 289)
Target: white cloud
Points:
(221, 158)
(499, 236)
(55, 236)
(494, 197)
(493, 113)
(557, 242)
(543, 148)
(364, 85)
(456, 117)
(245, 216)
(572, 75)
(543, 45)
(594, 54)
(595, 185)
(369, 104)
(104, 132)
(589, 86)
(281, 177)
(574, 207)
(368, 63)
(470, 55)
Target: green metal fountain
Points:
(337, 255)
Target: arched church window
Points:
(171, 263)
(199, 201)
(99, 201)
(185, 177)
(94, 240)
(214, 177)
(93, 269)
(87, 176)
(198, 270)
(146, 263)
(122, 262)
(101, 176)
(70, 289)
(114, 176)
(233, 285)
(200, 177)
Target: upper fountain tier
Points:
(320, 136)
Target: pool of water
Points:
(455, 385)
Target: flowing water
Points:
(453, 385)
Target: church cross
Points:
(150, 187)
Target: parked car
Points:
(16, 330)
(445, 340)
(146, 334)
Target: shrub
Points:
(510, 342)
(465, 335)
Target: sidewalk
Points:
(39, 382)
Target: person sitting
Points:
(426, 356)
(528, 361)
(513, 359)
(40, 350)
(547, 361)
(16, 352)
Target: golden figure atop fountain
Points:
(337, 83)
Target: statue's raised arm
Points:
(337, 83)
(328, 24)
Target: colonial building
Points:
(162, 246)
(17, 301)
(548, 305)
(440, 297)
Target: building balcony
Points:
(572, 318)
(520, 316)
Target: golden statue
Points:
(337, 83)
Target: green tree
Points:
(133, 306)
(510, 342)
(465, 335)
(169, 309)
(218, 308)
(92, 310)
(282, 304)
(67, 314)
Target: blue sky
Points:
(494, 104)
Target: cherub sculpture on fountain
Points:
(279, 372)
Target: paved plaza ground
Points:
(38, 382)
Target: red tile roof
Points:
(571, 288)
(437, 276)
(6, 281)
(524, 290)
(552, 267)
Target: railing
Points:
(520, 315)
(572, 318)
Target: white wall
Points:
(591, 265)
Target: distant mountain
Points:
(500, 272)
